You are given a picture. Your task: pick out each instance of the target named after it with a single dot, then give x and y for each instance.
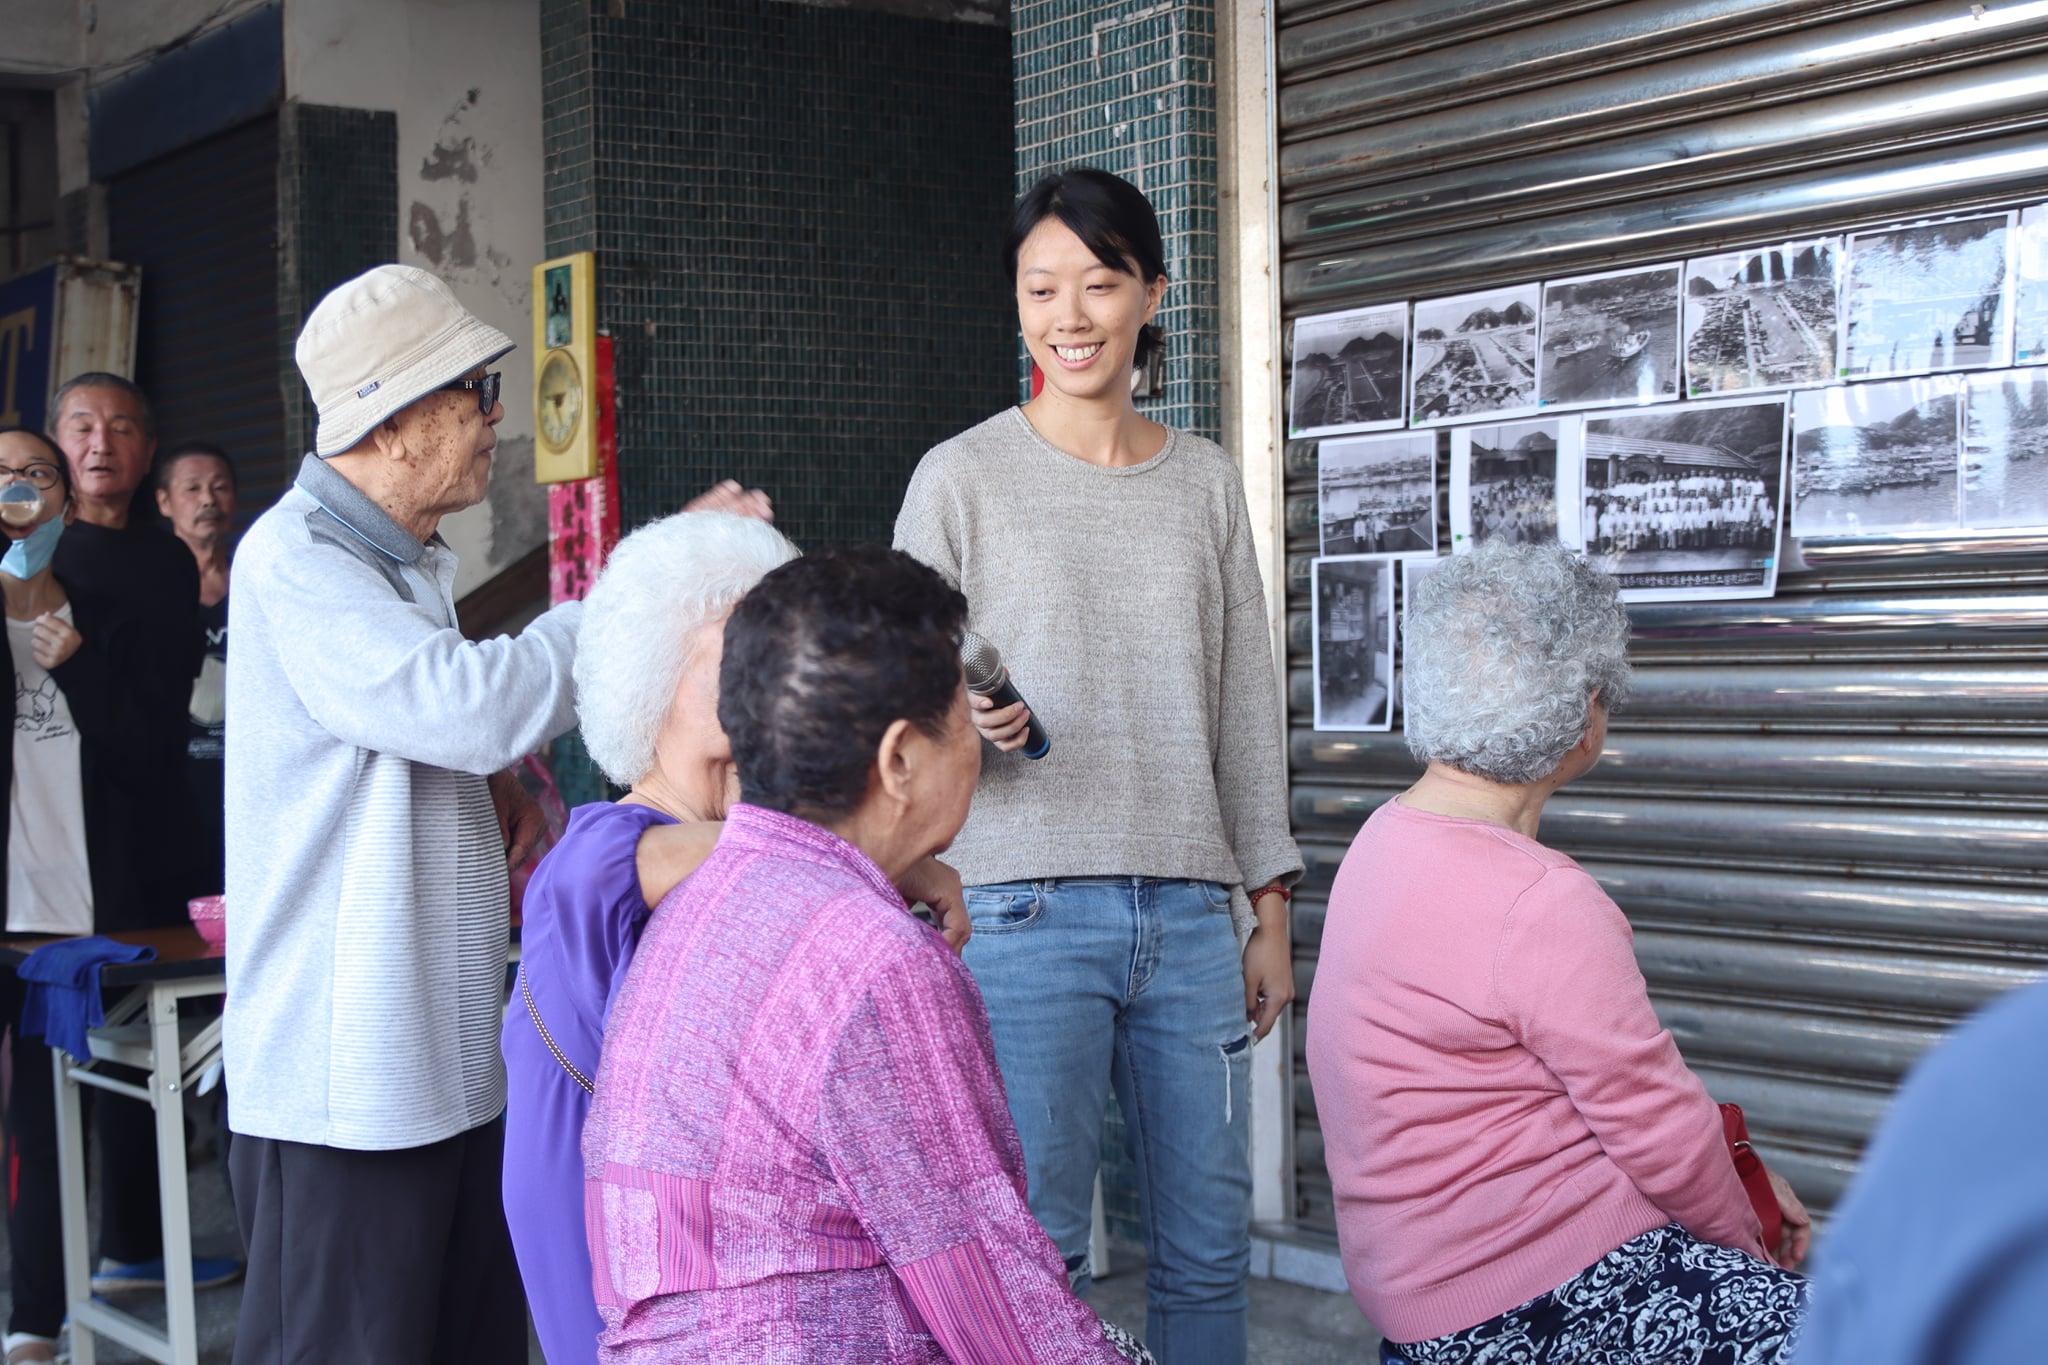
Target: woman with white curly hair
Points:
(647, 665)
(1524, 1168)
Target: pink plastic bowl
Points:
(209, 917)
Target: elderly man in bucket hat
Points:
(369, 824)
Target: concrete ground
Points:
(213, 1234)
(1290, 1325)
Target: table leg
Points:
(71, 1207)
(168, 1095)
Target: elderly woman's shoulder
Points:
(1562, 892)
(900, 948)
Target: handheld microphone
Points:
(986, 677)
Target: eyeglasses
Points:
(486, 389)
(42, 476)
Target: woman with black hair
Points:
(1110, 559)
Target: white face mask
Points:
(30, 555)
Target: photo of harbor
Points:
(2005, 450)
(1475, 356)
(1377, 494)
(1763, 318)
(1875, 459)
(1610, 339)
(1928, 297)
(1350, 371)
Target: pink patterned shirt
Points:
(799, 1149)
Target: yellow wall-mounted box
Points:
(565, 368)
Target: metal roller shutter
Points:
(202, 224)
(1826, 814)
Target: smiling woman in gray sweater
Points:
(1110, 559)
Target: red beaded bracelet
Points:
(1271, 889)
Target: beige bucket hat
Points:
(388, 337)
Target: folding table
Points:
(142, 1032)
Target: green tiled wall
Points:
(1132, 89)
(797, 214)
(337, 216)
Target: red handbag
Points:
(1756, 1181)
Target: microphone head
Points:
(980, 662)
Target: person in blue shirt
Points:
(1938, 1255)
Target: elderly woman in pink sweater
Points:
(1524, 1168)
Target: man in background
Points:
(147, 582)
(143, 584)
(195, 490)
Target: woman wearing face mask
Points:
(1110, 559)
(69, 870)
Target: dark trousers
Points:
(397, 1257)
(131, 1219)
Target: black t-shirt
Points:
(143, 585)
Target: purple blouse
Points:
(583, 917)
(799, 1150)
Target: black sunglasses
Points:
(486, 389)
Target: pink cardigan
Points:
(1500, 1107)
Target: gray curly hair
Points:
(1504, 649)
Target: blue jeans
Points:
(1134, 983)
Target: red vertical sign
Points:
(583, 514)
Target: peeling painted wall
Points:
(463, 78)
(115, 32)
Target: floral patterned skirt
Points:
(1664, 1298)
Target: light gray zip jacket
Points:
(367, 903)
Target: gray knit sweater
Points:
(1128, 606)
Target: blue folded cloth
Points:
(63, 997)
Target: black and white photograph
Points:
(1350, 371)
(1875, 459)
(1932, 296)
(1610, 339)
(1683, 503)
(1354, 642)
(1505, 481)
(1475, 356)
(2005, 450)
(2030, 294)
(1377, 494)
(1761, 318)
(1413, 571)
